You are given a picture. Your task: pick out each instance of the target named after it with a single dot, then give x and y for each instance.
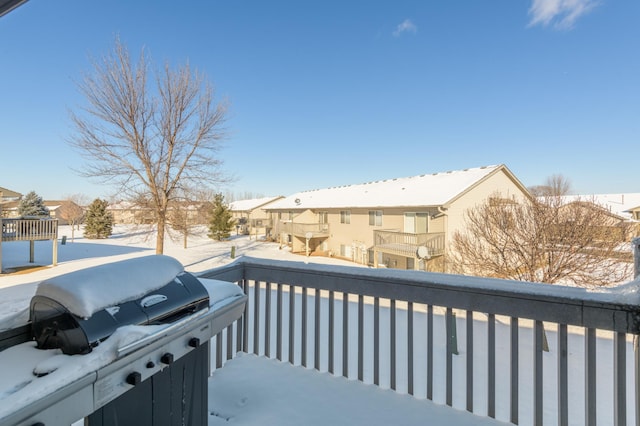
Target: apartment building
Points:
(250, 216)
(403, 223)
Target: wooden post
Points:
(55, 251)
(31, 251)
(55, 243)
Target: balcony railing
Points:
(260, 223)
(29, 229)
(399, 330)
(406, 244)
(303, 229)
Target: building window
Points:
(345, 251)
(375, 217)
(345, 216)
(323, 217)
(416, 223)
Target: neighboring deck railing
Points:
(29, 229)
(261, 223)
(406, 244)
(304, 229)
(398, 331)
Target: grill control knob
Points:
(150, 364)
(167, 358)
(194, 342)
(134, 378)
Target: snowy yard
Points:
(126, 242)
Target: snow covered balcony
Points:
(408, 244)
(303, 237)
(523, 353)
(304, 230)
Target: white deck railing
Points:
(29, 229)
(471, 343)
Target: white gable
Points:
(248, 205)
(425, 190)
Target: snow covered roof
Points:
(435, 189)
(618, 204)
(7, 194)
(248, 205)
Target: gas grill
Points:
(119, 378)
(54, 326)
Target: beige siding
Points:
(498, 183)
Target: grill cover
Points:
(54, 326)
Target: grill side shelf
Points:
(15, 336)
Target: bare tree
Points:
(71, 211)
(153, 145)
(182, 217)
(545, 239)
(556, 186)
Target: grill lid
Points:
(76, 311)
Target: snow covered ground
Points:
(201, 254)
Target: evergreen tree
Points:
(32, 205)
(221, 223)
(98, 221)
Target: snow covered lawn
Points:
(126, 242)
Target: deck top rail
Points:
(614, 309)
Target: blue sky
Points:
(327, 93)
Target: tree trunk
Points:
(186, 227)
(160, 236)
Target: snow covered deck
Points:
(320, 344)
(463, 343)
(251, 390)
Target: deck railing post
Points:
(55, 252)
